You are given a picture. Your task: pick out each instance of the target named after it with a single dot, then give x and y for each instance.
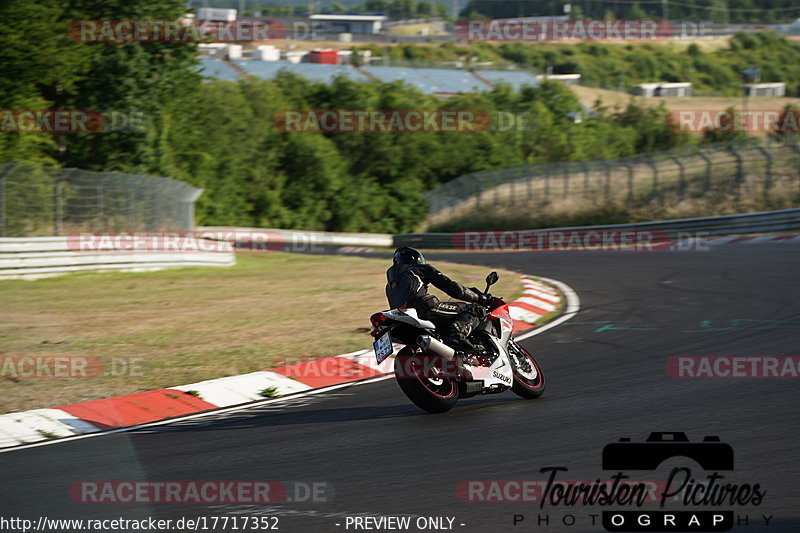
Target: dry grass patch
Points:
(192, 324)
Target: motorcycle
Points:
(434, 378)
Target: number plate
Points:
(383, 347)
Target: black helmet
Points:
(408, 256)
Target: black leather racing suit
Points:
(407, 287)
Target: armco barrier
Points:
(295, 240)
(785, 220)
(40, 257)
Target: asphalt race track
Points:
(606, 379)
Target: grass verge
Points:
(174, 327)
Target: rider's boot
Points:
(466, 352)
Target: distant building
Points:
(347, 23)
(651, 90)
(761, 90)
(569, 79)
(325, 57)
(216, 13)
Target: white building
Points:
(756, 90)
(337, 23)
(651, 90)
(569, 79)
(216, 13)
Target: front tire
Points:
(425, 380)
(529, 381)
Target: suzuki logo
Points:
(501, 377)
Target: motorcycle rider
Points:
(407, 287)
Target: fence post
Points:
(608, 179)
(7, 170)
(629, 199)
(681, 177)
(709, 173)
(130, 210)
(649, 162)
(547, 185)
(100, 211)
(58, 213)
(767, 173)
(585, 179)
(739, 169)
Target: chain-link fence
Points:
(704, 180)
(36, 200)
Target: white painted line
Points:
(201, 414)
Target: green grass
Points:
(188, 325)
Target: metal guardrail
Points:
(41, 257)
(294, 240)
(782, 221)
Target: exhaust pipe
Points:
(428, 343)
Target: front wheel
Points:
(425, 379)
(528, 375)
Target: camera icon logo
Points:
(710, 454)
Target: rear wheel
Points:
(528, 376)
(427, 380)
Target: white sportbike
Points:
(434, 378)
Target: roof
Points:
(373, 18)
(765, 84)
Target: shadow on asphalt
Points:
(270, 416)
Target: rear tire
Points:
(423, 379)
(529, 381)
